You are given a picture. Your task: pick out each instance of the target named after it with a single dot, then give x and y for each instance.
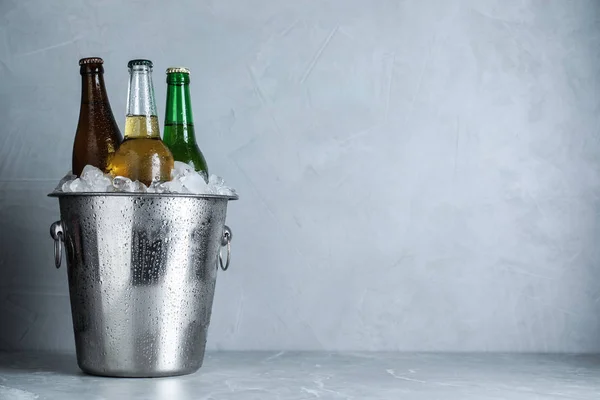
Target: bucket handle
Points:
(56, 231)
(225, 241)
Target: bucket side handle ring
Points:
(56, 231)
(225, 241)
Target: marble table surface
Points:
(290, 375)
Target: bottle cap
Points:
(139, 62)
(91, 60)
(183, 70)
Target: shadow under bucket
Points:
(142, 269)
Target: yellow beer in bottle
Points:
(142, 156)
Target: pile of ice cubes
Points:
(184, 180)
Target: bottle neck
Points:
(92, 85)
(141, 120)
(178, 113)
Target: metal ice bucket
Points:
(142, 269)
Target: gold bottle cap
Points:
(172, 70)
(91, 60)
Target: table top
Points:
(300, 375)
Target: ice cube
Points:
(78, 185)
(122, 184)
(91, 174)
(174, 186)
(215, 180)
(138, 187)
(94, 180)
(156, 187)
(195, 183)
(65, 180)
(204, 175)
(217, 185)
(180, 169)
(225, 191)
(100, 184)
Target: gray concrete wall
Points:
(414, 175)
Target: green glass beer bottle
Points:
(179, 133)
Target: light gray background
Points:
(414, 175)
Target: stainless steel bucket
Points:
(142, 269)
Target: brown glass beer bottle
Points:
(98, 136)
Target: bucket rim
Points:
(141, 194)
